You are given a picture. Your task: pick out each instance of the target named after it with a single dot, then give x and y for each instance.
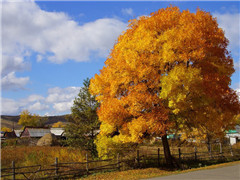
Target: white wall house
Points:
(234, 135)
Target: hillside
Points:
(10, 121)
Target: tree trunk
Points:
(167, 153)
(208, 143)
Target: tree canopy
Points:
(58, 124)
(28, 119)
(169, 70)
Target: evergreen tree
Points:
(83, 121)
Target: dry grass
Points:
(34, 155)
(147, 173)
(236, 146)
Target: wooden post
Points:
(56, 166)
(118, 162)
(13, 170)
(144, 160)
(138, 160)
(87, 163)
(179, 154)
(231, 150)
(210, 148)
(220, 148)
(159, 157)
(195, 153)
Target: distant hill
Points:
(10, 121)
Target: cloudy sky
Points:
(49, 48)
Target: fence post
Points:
(179, 154)
(195, 153)
(231, 149)
(13, 170)
(220, 147)
(210, 148)
(56, 166)
(118, 162)
(87, 163)
(158, 156)
(138, 160)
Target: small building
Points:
(34, 132)
(8, 135)
(58, 132)
(2, 135)
(18, 133)
(234, 136)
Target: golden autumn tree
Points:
(6, 129)
(169, 70)
(28, 119)
(58, 124)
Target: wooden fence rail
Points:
(77, 169)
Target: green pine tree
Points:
(83, 122)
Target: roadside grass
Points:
(148, 173)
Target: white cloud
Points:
(237, 65)
(55, 32)
(37, 107)
(10, 107)
(62, 98)
(230, 24)
(62, 94)
(238, 92)
(128, 11)
(12, 64)
(53, 36)
(10, 81)
(34, 97)
(39, 58)
(62, 106)
(58, 101)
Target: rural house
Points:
(2, 135)
(8, 135)
(234, 135)
(18, 132)
(34, 132)
(58, 132)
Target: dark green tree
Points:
(83, 121)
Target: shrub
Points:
(107, 148)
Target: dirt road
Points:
(221, 173)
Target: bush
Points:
(108, 148)
(9, 142)
(236, 146)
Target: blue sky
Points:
(49, 48)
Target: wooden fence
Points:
(62, 170)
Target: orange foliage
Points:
(169, 70)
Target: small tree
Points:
(6, 129)
(83, 121)
(28, 119)
(58, 124)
